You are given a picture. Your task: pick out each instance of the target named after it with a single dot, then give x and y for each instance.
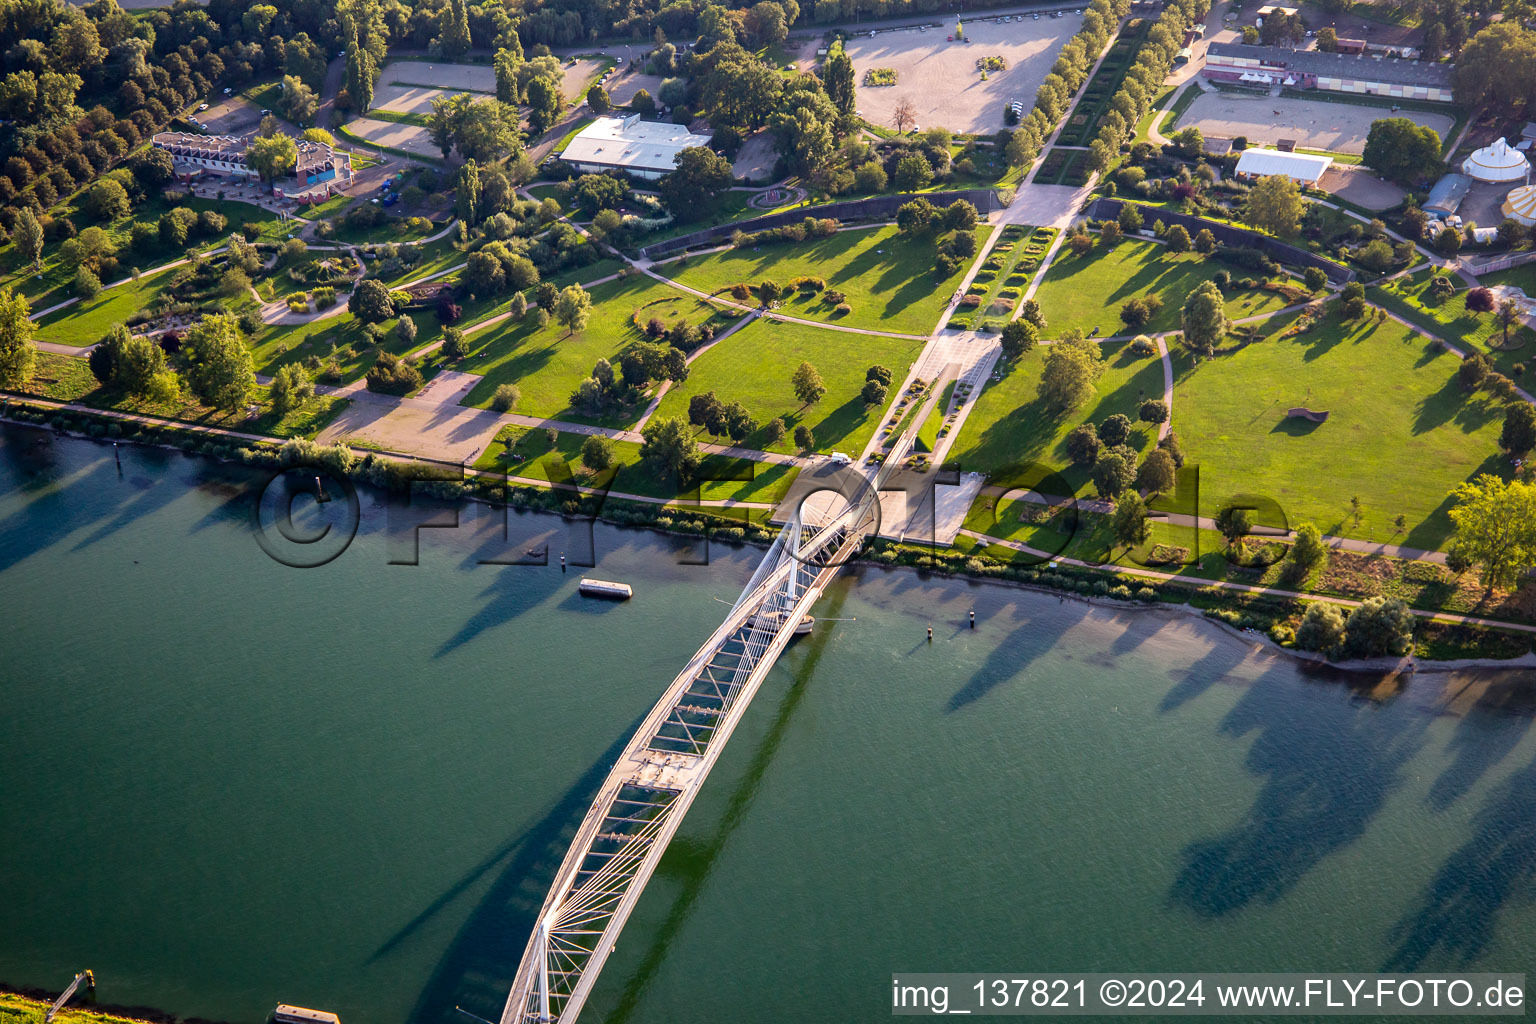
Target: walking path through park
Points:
(1251, 588)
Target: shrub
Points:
(505, 398)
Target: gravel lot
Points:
(406, 137)
(395, 91)
(940, 78)
(1314, 124)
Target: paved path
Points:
(1137, 571)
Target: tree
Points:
(912, 172)
(1130, 219)
(804, 439)
(1519, 434)
(1400, 149)
(370, 302)
(1204, 318)
(28, 236)
(488, 131)
(807, 384)
(904, 115)
(467, 193)
(291, 388)
(873, 393)
(299, 102)
(597, 99)
(506, 64)
(1113, 472)
(1130, 521)
(1153, 410)
(105, 354)
(1018, 336)
(573, 308)
(702, 176)
(1115, 429)
(391, 375)
(915, 217)
(1205, 242)
(505, 398)
(707, 411)
(273, 156)
(17, 353)
(1083, 445)
(1327, 40)
(1314, 278)
(454, 349)
(1233, 523)
(1379, 625)
(837, 78)
(1177, 239)
(1275, 204)
(1156, 473)
(219, 369)
(594, 192)
(1321, 629)
(775, 430)
(879, 373)
(544, 102)
(1448, 242)
(319, 135)
(1072, 368)
(1480, 300)
(1308, 552)
(669, 450)
(86, 284)
(1509, 313)
(107, 201)
(597, 453)
(1495, 525)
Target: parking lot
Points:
(940, 77)
(232, 115)
(405, 137)
(409, 86)
(1314, 124)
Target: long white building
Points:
(646, 149)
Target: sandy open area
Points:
(940, 78)
(578, 77)
(406, 137)
(1314, 124)
(409, 87)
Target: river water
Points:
(229, 783)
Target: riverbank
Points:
(30, 1006)
(1452, 642)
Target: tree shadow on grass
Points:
(1435, 529)
(1459, 909)
(1327, 769)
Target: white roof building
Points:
(1497, 162)
(1301, 167)
(646, 149)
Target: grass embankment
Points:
(20, 1009)
(525, 452)
(69, 379)
(1087, 291)
(754, 366)
(887, 279)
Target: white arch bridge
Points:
(641, 803)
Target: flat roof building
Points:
(1265, 66)
(646, 149)
(1304, 168)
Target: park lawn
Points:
(888, 280)
(1087, 291)
(1011, 425)
(1409, 298)
(1400, 435)
(85, 322)
(396, 229)
(547, 364)
(293, 343)
(434, 257)
(754, 365)
(928, 435)
(69, 379)
(525, 452)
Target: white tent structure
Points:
(1497, 162)
(1520, 206)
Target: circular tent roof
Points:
(1497, 162)
(1521, 205)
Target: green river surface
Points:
(228, 783)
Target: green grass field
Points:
(1409, 298)
(889, 280)
(1087, 291)
(84, 323)
(753, 367)
(1010, 425)
(547, 365)
(525, 452)
(1400, 434)
(343, 334)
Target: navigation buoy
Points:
(930, 634)
(973, 618)
(562, 561)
